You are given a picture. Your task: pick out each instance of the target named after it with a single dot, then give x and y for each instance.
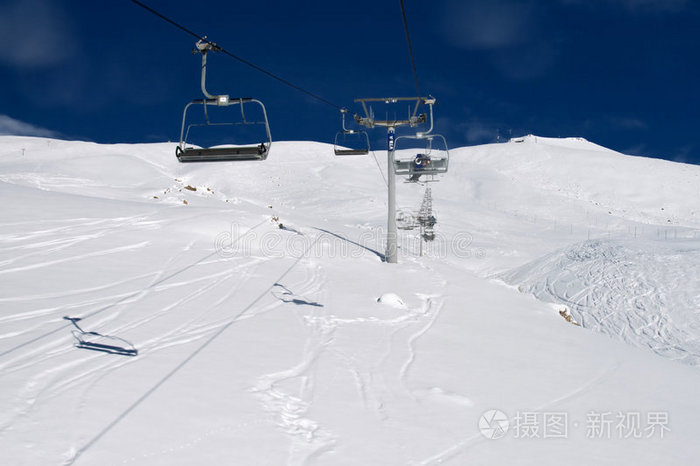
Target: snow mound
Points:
(392, 300)
(531, 138)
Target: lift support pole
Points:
(391, 252)
(413, 119)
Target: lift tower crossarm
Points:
(414, 119)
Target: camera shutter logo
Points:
(494, 424)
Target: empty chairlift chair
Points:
(350, 141)
(186, 151)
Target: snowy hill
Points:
(296, 345)
(646, 190)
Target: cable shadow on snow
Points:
(381, 256)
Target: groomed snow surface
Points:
(553, 321)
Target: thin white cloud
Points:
(507, 31)
(629, 123)
(35, 34)
(486, 24)
(685, 153)
(13, 127)
(471, 130)
(476, 132)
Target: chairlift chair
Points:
(406, 220)
(188, 152)
(429, 161)
(350, 141)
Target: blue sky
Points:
(621, 73)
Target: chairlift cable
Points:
(282, 80)
(410, 48)
(381, 172)
(163, 17)
(236, 57)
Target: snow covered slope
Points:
(646, 190)
(269, 331)
(646, 293)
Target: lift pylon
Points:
(423, 163)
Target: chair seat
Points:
(408, 167)
(222, 154)
(351, 151)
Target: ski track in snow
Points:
(62, 377)
(162, 281)
(103, 252)
(309, 439)
(75, 225)
(240, 428)
(48, 382)
(243, 314)
(430, 310)
(462, 446)
(643, 293)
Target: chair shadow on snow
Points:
(287, 296)
(94, 341)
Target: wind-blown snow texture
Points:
(269, 330)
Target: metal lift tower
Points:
(413, 119)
